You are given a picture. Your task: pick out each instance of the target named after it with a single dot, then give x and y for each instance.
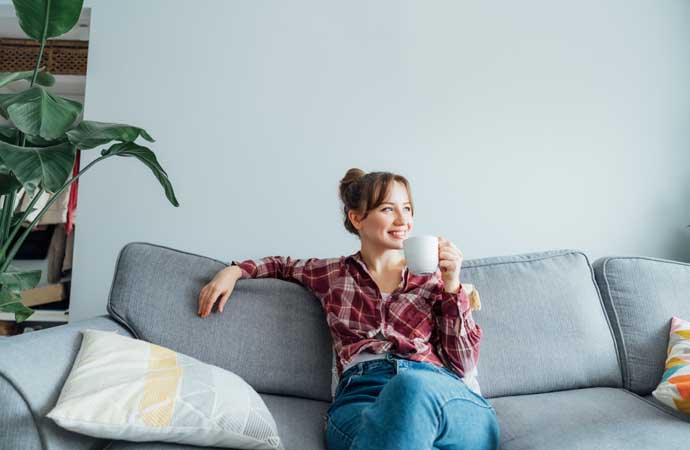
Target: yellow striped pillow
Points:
(127, 389)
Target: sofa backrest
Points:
(641, 295)
(542, 317)
(543, 322)
(272, 333)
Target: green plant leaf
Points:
(90, 134)
(60, 17)
(39, 113)
(38, 141)
(20, 279)
(8, 182)
(49, 167)
(146, 156)
(43, 78)
(8, 134)
(11, 302)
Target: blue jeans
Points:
(399, 404)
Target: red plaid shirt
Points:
(420, 321)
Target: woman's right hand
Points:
(219, 288)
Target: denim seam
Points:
(347, 383)
(474, 402)
(335, 427)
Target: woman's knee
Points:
(474, 425)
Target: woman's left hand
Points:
(450, 261)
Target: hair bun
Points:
(352, 175)
(350, 178)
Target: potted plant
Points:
(39, 147)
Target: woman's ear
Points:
(354, 219)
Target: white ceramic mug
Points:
(421, 254)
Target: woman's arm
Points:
(459, 335)
(313, 273)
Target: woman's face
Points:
(393, 215)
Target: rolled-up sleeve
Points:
(459, 335)
(312, 273)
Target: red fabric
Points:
(72, 204)
(420, 321)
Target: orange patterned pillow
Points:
(674, 389)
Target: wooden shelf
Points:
(44, 294)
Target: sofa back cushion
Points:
(542, 316)
(544, 327)
(641, 295)
(272, 333)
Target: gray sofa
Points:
(570, 353)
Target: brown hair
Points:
(362, 192)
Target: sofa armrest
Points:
(33, 368)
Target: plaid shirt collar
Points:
(357, 260)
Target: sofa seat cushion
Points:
(300, 422)
(652, 400)
(590, 418)
(300, 426)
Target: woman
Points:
(407, 345)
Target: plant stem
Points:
(43, 43)
(7, 212)
(5, 201)
(38, 61)
(16, 229)
(40, 56)
(7, 219)
(32, 225)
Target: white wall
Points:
(522, 126)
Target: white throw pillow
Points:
(128, 389)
